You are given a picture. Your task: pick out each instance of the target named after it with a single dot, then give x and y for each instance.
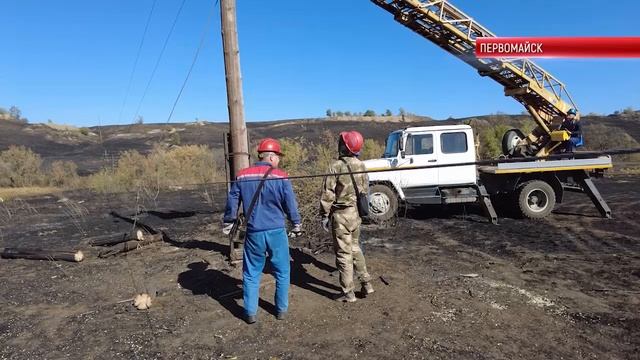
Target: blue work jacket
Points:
(276, 200)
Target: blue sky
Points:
(70, 60)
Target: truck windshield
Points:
(391, 150)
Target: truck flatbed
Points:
(601, 162)
(529, 179)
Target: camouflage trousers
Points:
(346, 236)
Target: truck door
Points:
(456, 147)
(419, 151)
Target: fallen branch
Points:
(40, 254)
(148, 238)
(143, 240)
(109, 240)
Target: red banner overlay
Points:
(564, 47)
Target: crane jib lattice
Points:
(456, 32)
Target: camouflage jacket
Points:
(338, 191)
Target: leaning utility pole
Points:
(239, 153)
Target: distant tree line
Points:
(368, 112)
(14, 113)
(625, 112)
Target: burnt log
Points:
(138, 235)
(144, 240)
(41, 254)
(109, 240)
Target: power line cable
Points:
(203, 37)
(135, 64)
(155, 68)
(490, 162)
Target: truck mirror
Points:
(402, 154)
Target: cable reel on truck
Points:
(511, 140)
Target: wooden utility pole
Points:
(239, 143)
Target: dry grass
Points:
(12, 193)
(626, 168)
(163, 168)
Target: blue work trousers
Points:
(257, 244)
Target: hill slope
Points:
(102, 145)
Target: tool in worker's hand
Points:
(226, 228)
(296, 231)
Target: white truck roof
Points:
(437, 128)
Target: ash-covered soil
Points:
(448, 285)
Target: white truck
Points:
(531, 187)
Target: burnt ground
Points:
(565, 287)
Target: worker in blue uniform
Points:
(266, 231)
(571, 123)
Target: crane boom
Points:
(543, 95)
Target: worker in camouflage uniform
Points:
(339, 209)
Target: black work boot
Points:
(251, 319)
(281, 315)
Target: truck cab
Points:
(530, 186)
(419, 147)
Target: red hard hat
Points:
(353, 140)
(270, 145)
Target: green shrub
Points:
(161, 169)
(296, 155)
(371, 149)
(19, 167)
(102, 182)
(491, 141)
(64, 174)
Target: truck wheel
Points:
(383, 203)
(536, 199)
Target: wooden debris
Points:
(149, 238)
(142, 301)
(138, 235)
(40, 254)
(143, 240)
(472, 276)
(109, 240)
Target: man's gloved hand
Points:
(296, 231)
(325, 224)
(226, 228)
